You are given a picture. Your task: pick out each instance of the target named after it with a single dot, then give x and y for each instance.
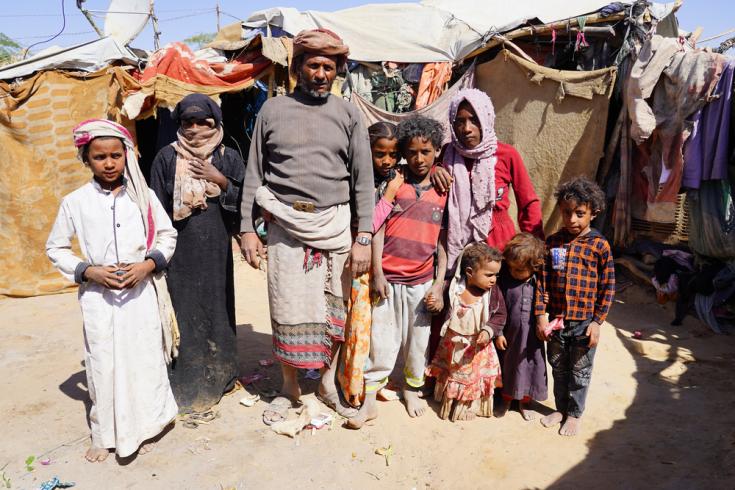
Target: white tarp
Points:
(405, 32)
(126, 19)
(90, 56)
(433, 30)
(504, 15)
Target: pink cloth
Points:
(381, 212)
(555, 324)
(472, 197)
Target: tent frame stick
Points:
(562, 25)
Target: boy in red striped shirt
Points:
(404, 272)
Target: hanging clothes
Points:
(707, 152)
(680, 83)
(434, 79)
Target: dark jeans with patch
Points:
(571, 361)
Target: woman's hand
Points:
(206, 171)
(104, 275)
(392, 188)
(440, 179)
(136, 273)
(501, 342)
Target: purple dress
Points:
(524, 360)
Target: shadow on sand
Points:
(677, 432)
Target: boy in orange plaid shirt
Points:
(577, 285)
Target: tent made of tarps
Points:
(90, 56)
(487, 16)
(38, 165)
(431, 31)
(555, 119)
(175, 71)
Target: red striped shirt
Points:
(411, 234)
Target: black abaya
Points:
(200, 280)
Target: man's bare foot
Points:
(331, 399)
(368, 411)
(96, 454)
(291, 389)
(571, 426)
(146, 447)
(503, 408)
(552, 419)
(415, 406)
(527, 412)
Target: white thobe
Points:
(126, 372)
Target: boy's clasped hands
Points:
(121, 276)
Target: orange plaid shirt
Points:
(583, 285)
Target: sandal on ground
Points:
(195, 419)
(277, 410)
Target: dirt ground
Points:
(658, 416)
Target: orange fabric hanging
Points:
(434, 79)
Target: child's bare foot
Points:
(415, 406)
(146, 447)
(485, 408)
(552, 419)
(96, 454)
(571, 426)
(503, 408)
(368, 411)
(446, 408)
(526, 411)
(464, 411)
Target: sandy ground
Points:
(659, 416)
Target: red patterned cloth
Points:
(475, 376)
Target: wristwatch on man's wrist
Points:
(363, 240)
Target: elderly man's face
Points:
(317, 75)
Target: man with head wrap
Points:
(310, 169)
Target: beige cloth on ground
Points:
(191, 193)
(296, 295)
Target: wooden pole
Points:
(564, 25)
(218, 12)
(156, 32)
(91, 21)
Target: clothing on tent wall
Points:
(707, 152)
(680, 83)
(434, 78)
(438, 110)
(712, 219)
